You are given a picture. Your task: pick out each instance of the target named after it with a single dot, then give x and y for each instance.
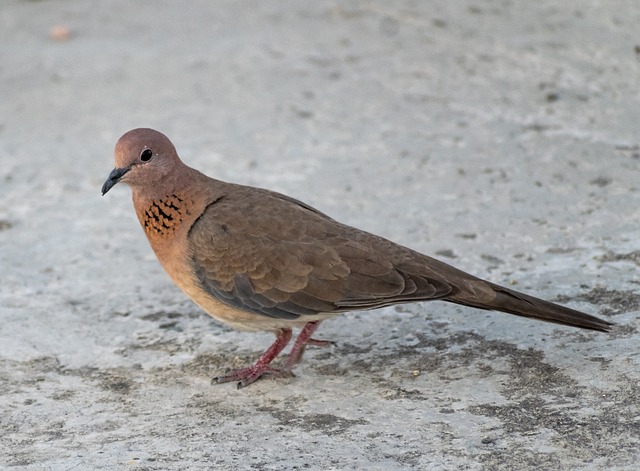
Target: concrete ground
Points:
(500, 136)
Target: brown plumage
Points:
(259, 260)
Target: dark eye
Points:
(146, 155)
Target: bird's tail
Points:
(521, 304)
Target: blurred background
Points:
(501, 137)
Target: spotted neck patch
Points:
(163, 216)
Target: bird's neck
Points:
(161, 217)
(172, 207)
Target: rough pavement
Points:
(499, 136)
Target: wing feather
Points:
(274, 256)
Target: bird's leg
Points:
(248, 375)
(304, 339)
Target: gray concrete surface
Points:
(501, 135)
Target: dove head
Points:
(144, 158)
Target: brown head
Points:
(144, 158)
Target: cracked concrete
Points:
(501, 136)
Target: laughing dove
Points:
(261, 261)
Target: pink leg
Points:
(246, 376)
(304, 339)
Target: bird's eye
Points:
(146, 155)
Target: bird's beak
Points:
(113, 178)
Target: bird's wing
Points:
(272, 255)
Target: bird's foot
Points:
(246, 376)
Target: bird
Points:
(258, 260)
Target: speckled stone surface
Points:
(501, 137)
